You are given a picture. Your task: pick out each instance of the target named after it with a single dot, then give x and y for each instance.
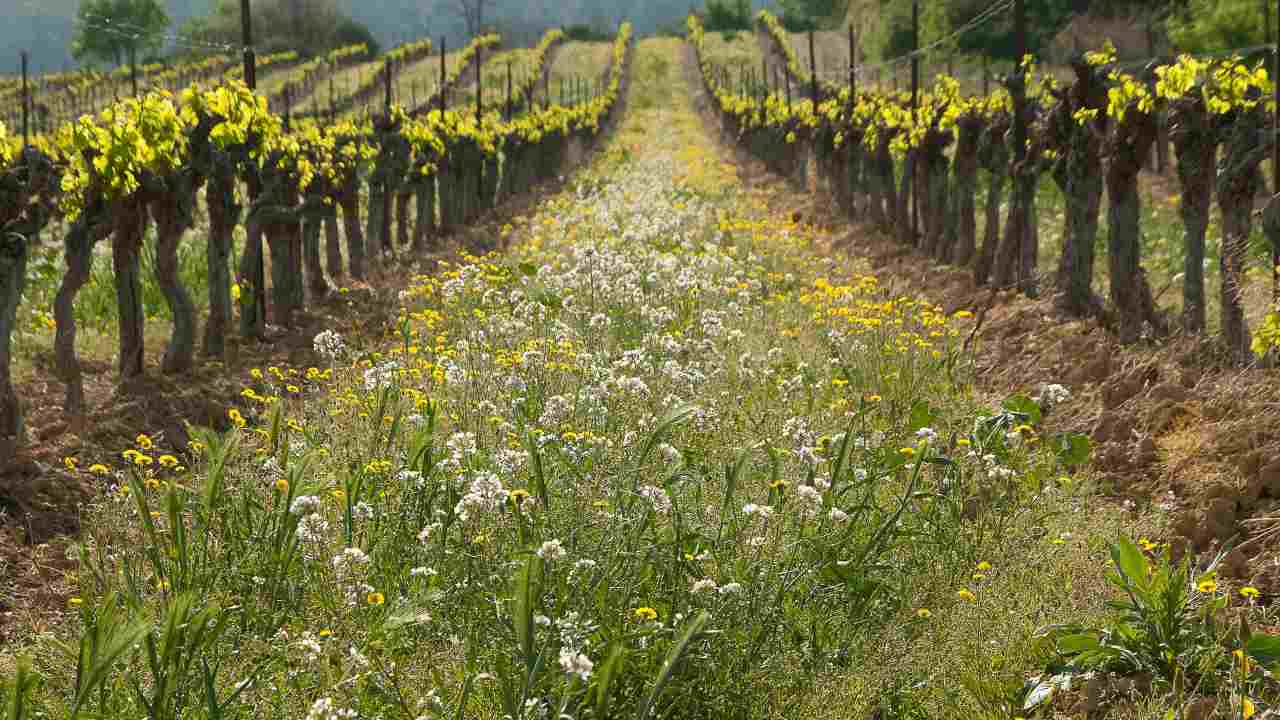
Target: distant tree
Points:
(586, 33)
(113, 31)
(350, 32)
(1217, 25)
(474, 13)
(801, 15)
(311, 27)
(725, 15)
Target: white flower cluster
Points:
(486, 494)
(329, 345)
(327, 709)
(381, 376)
(1052, 394)
(658, 498)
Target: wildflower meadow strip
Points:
(664, 457)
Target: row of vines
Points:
(878, 158)
(60, 98)
(145, 161)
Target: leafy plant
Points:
(1166, 622)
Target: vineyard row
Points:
(915, 173)
(146, 160)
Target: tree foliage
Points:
(801, 15)
(1217, 25)
(723, 15)
(312, 27)
(113, 31)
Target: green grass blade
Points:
(676, 652)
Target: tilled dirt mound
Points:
(1170, 422)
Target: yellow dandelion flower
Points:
(907, 452)
(236, 418)
(282, 485)
(99, 469)
(256, 374)
(984, 566)
(168, 461)
(143, 441)
(924, 614)
(1207, 586)
(967, 596)
(70, 463)
(235, 292)
(1250, 592)
(376, 598)
(645, 614)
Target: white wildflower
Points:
(551, 550)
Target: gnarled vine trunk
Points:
(1079, 173)
(883, 196)
(332, 242)
(172, 214)
(14, 251)
(902, 199)
(994, 158)
(126, 249)
(312, 223)
(1130, 293)
(93, 225)
(224, 214)
(1195, 142)
(253, 319)
(933, 195)
(426, 207)
(403, 199)
(963, 225)
(349, 199)
(1239, 181)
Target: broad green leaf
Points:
(1074, 644)
(1023, 405)
(1073, 448)
(921, 416)
(1129, 561)
(1264, 649)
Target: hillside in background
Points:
(45, 27)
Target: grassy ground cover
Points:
(579, 59)
(666, 458)
(734, 49)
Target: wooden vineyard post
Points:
(1275, 149)
(386, 100)
(915, 107)
(26, 102)
(1024, 179)
(813, 73)
(258, 321)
